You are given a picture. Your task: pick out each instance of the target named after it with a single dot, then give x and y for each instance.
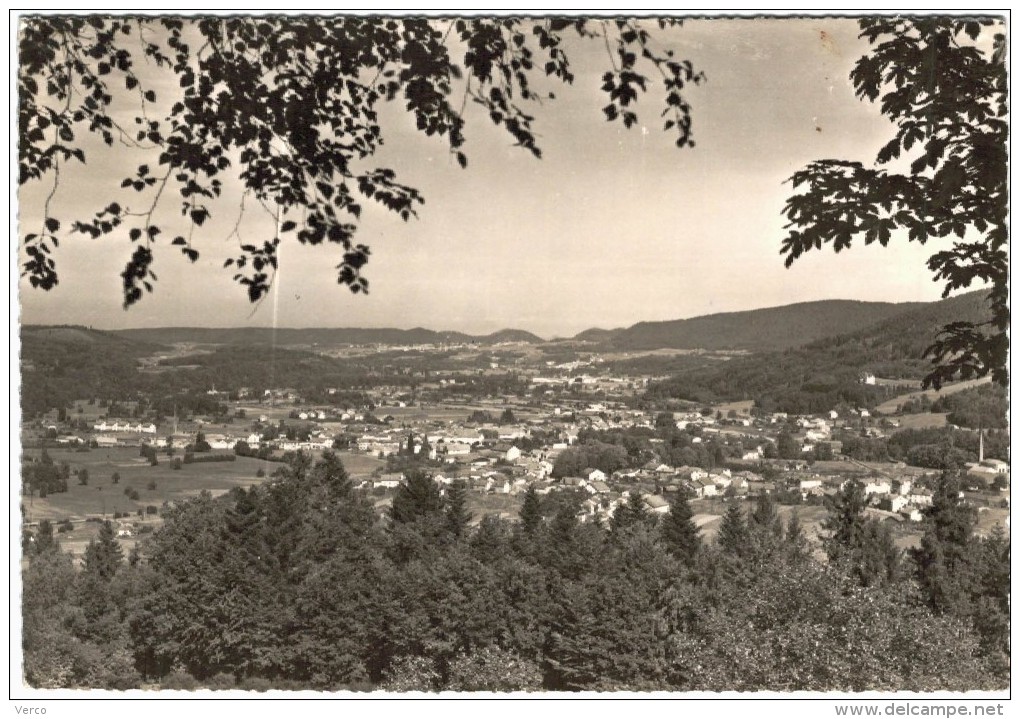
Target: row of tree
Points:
(298, 583)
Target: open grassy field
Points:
(923, 420)
(742, 408)
(889, 406)
(359, 464)
(101, 496)
(504, 505)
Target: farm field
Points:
(890, 406)
(741, 408)
(102, 496)
(923, 420)
(360, 464)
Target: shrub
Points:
(220, 682)
(179, 680)
(493, 670)
(209, 458)
(151, 509)
(412, 674)
(260, 473)
(65, 526)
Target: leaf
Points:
(52, 224)
(288, 226)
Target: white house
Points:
(920, 497)
(877, 486)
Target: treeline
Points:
(63, 370)
(984, 407)
(807, 380)
(614, 450)
(56, 371)
(822, 374)
(297, 583)
(937, 448)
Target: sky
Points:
(611, 227)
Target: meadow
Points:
(154, 484)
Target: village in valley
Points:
(623, 413)
(573, 431)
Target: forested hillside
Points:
(61, 364)
(773, 328)
(298, 584)
(821, 374)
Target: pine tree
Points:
(45, 542)
(764, 516)
(846, 522)
(103, 556)
(330, 475)
(418, 496)
(733, 536)
(863, 548)
(457, 515)
(944, 563)
(795, 538)
(679, 532)
(531, 511)
(879, 561)
(630, 514)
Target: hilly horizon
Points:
(318, 335)
(769, 328)
(757, 330)
(818, 374)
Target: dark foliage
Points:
(942, 81)
(289, 107)
(297, 584)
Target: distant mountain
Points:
(34, 335)
(597, 334)
(512, 336)
(323, 336)
(820, 374)
(773, 328)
